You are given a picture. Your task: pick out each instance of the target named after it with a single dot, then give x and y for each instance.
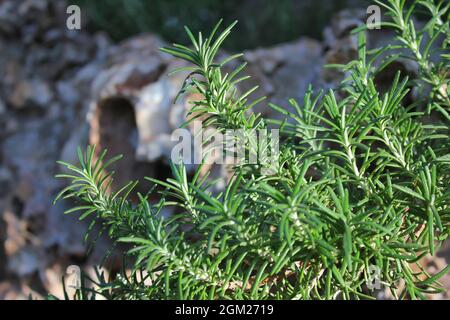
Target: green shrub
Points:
(276, 21)
(361, 183)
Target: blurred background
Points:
(261, 22)
(107, 84)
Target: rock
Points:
(134, 64)
(62, 233)
(31, 93)
(345, 21)
(154, 109)
(131, 108)
(2, 107)
(77, 139)
(284, 72)
(67, 93)
(46, 79)
(7, 17)
(10, 291)
(343, 51)
(24, 262)
(5, 182)
(15, 233)
(3, 260)
(268, 61)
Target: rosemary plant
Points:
(424, 44)
(361, 184)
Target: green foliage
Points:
(361, 182)
(276, 21)
(427, 46)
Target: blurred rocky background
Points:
(107, 84)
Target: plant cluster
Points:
(361, 183)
